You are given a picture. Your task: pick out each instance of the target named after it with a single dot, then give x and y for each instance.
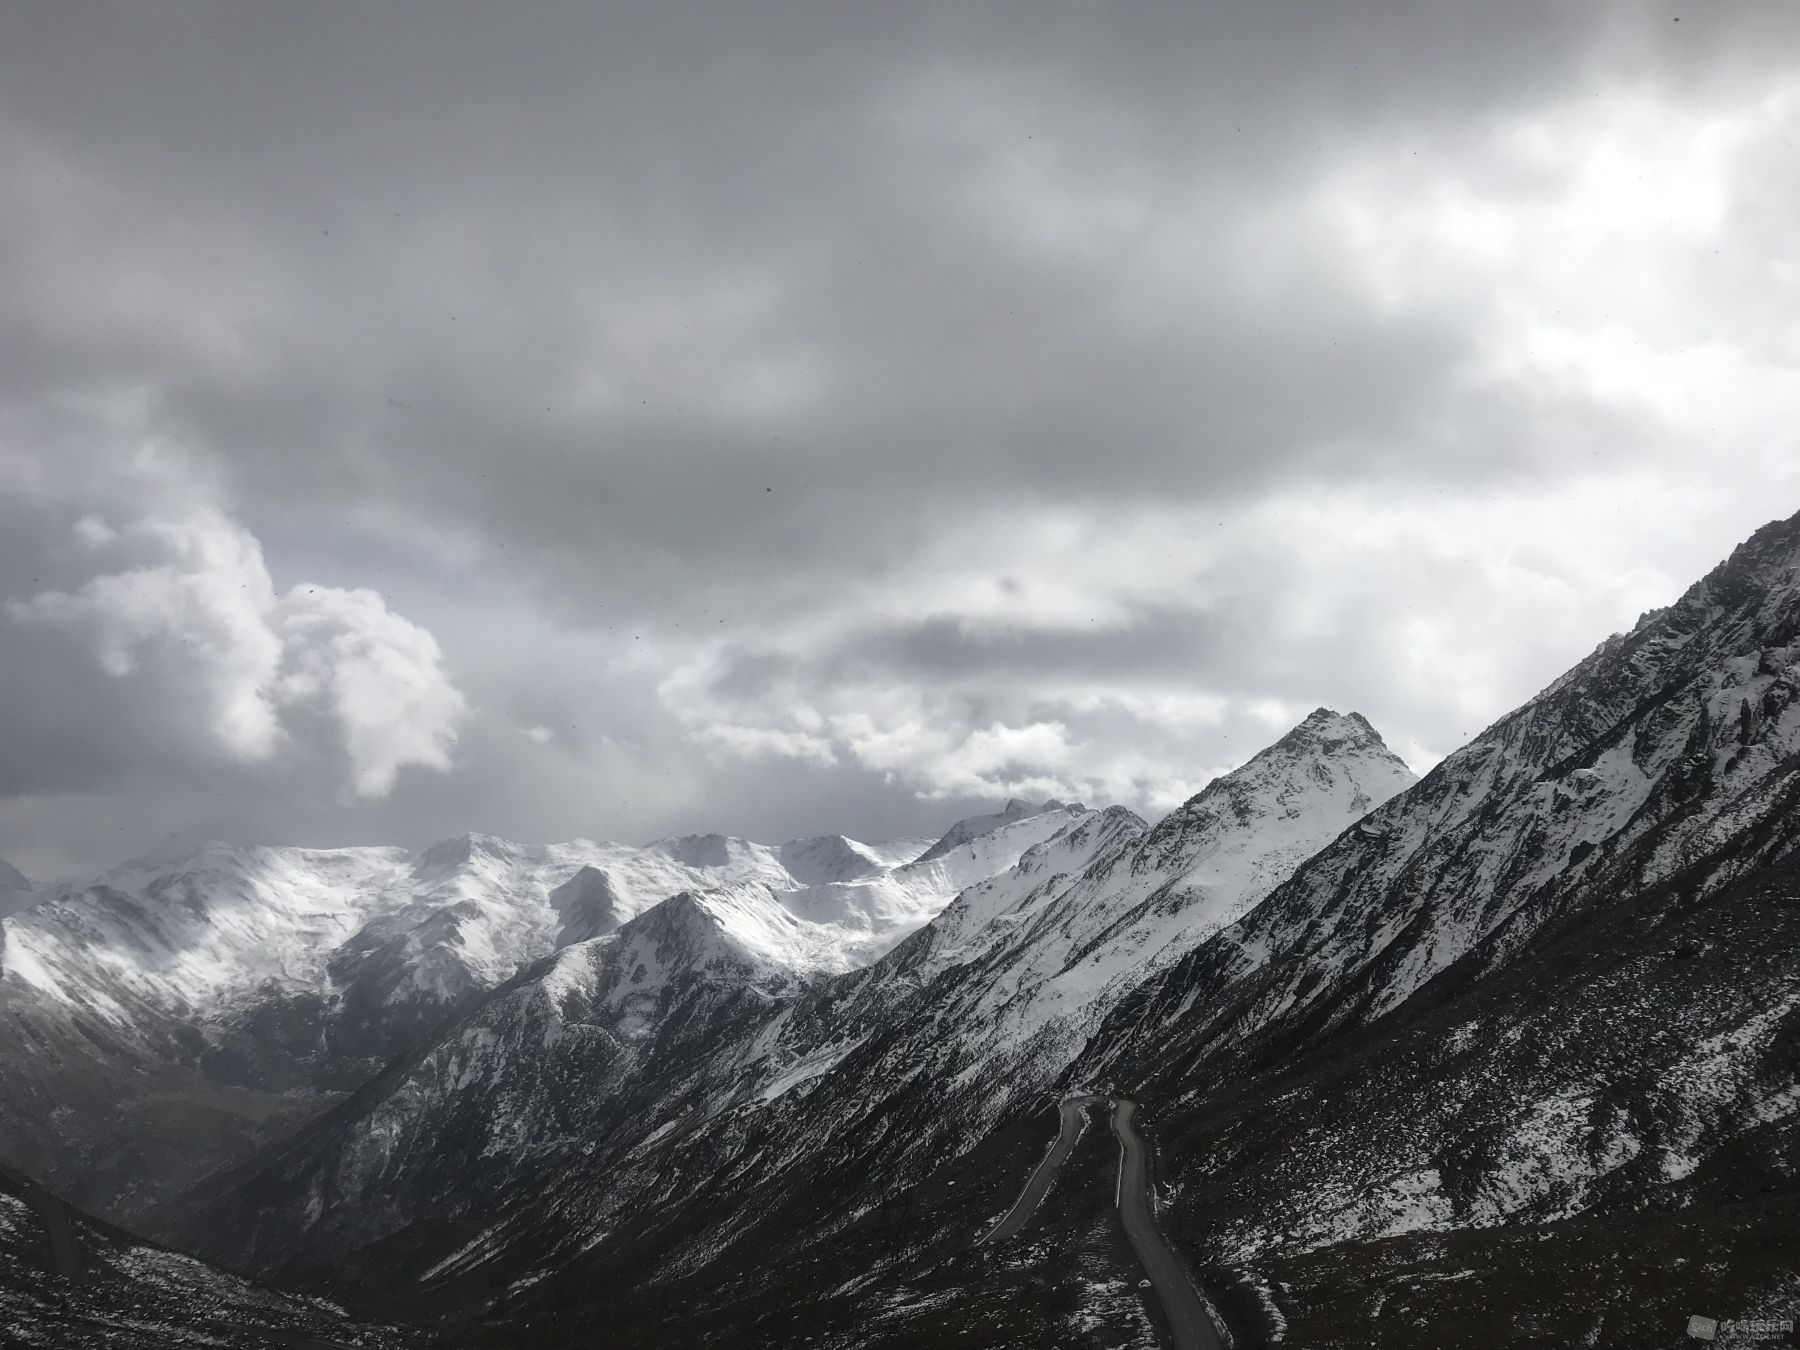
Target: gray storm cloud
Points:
(782, 418)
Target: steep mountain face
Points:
(1252, 828)
(1145, 898)
(1643, 1057)
(69, 1282)
(1671, 749)
(161, 1022)
(1555, 981)
(588, 904)
(894, 1071)
(960, 1025)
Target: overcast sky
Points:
(615, 421)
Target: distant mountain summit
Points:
(828, 858)
(1246, 831)
(589, 904)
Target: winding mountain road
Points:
(1190, 1322)
(1071, 1117)
(1189, 1319)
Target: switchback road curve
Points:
(1071, 1117)
(1190, 1322)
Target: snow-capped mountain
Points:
(1599, 886)
(1554, 980)
(1516, 1033)
(1026, 964)
(190, 1003)
(1151, 892)
(1671, 748)
(980, 1009)
(872, 914)
(829, 858)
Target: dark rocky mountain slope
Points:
(71, 1282)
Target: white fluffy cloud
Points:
(380, 675)
(187, 600)
(190, 596)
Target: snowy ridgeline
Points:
(219, 927)
(625, 1052)
(245, 987)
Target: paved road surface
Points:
(1071, 1113)
(1174, 1288)
(1189, 1320)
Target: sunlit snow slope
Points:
(158, 1022)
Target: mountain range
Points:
(1506, 1054)
(193, 1004)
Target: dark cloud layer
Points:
(636, 418)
